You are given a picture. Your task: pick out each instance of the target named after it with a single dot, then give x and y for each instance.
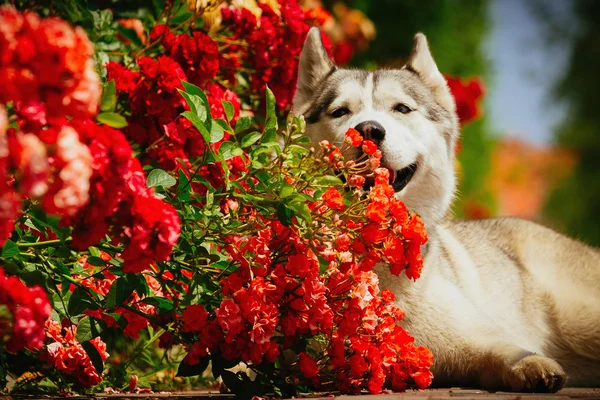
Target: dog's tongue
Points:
(392, 175)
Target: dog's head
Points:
(409, 112)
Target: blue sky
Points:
(519, 103)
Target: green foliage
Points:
(112, 119)
(572, 206)
(159, 178)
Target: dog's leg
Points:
(510, 368)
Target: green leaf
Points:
(131, 35)
(220, 264)
(195, 90)
(328, 180)
(34, 278)
(10, 249)
(303, 139)
(87, 329)
(160, 302)
(109, 96)
(120, 290)
(286, 190)
(270, 136)
(180, 17)
(209, 200)
(193, 370)
(96, 261)
(250, 139)
(223, 124)
(95, 357)
(294, 148)
(229, 110)
(227, 150)
(138, 283)
(243, 123)
(323, 266)
(196, 104)
(301, 210)
(184, 188)
(284, 214)
(233, 381)
(198, 124)
(158, 6)
(159, 178)
(76, 12)
(112, 119)
(271, 115)
(220, 364)
(258, 150)
(102, 19)
(29, 223)
(79, 302)
(216, 133)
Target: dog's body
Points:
(504, 304)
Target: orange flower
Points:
(415, 230)
(369, 147)
(353, 137)
(357, 181)
(333, 199)
(376, 212)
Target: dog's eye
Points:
(340, 112)
(403, 108)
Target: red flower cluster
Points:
(274, 42)
(67, 355)
(467, 94)
(287, 287)
(70, 190)
(10, 203)
(95, 182)
(23, 312)
(120, 203)
(155, 103)
(46, 64)
(62, 160)
(47, 70)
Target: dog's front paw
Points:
(535, 374)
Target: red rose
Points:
(194, 318)
(308, 366)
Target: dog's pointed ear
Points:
(315, 65)
(421, 62)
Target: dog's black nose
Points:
(371, 130)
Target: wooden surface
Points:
(431, 394)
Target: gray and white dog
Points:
(504, 304)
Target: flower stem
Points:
(42, 245)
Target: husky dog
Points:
(503, 304)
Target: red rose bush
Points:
(159, 212)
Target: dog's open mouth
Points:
(398, 179)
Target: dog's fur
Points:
(504, 304)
